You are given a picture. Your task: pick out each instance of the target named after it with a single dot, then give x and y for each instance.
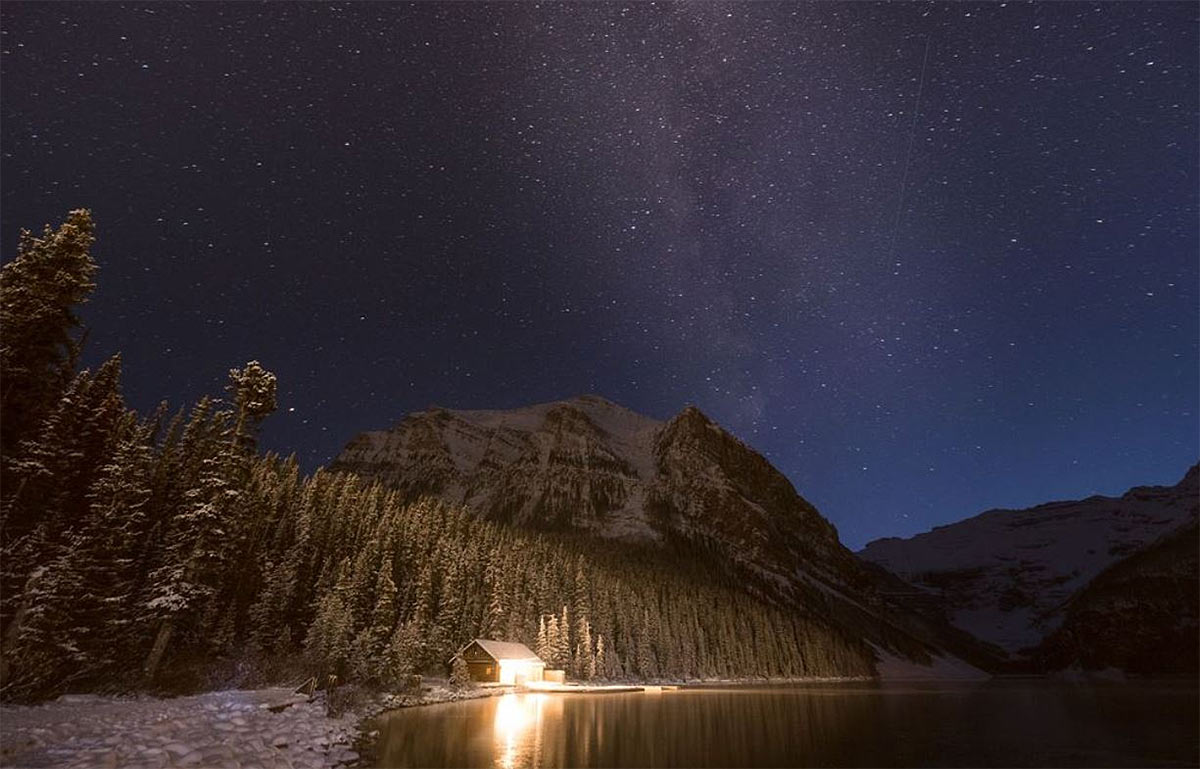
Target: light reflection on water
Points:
(517, 728)
(994, 724)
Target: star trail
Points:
(928, 258)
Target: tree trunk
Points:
(156, 653)
(14, 626)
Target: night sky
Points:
(928, 258)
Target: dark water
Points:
(998, 723)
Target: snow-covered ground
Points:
(948, 668)
(434, 691)
(231, 729)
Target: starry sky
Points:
(928, 258)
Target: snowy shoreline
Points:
(219, 730)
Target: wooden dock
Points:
(584, 689)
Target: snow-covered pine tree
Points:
(39, 290)
(331, 635)
(647, 664)
(82, 619)
(494, 618)
(584, 660)
(196, 551)
(267, 612)
(368, 656)
(581, 658)
(552, 642)
(253, 391)
(600, 660)
(42, 516)
(365, 573)
(114, 548)
(33, 497)
(406, 649)
(423, 598)
(448, 630)
(562, 646)
(460, 674)
(542, 649)
(615, 665)
(383, 616)
(52, 479)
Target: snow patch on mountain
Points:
(629, 434)
(1005, 575)
(941, 668)
(581, 463)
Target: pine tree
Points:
(600, 660)
(406, 649)
(253, 391)
(383, 616)
(495, 614)
(82, 617)
(543, 640)
(582, 665)
(35, 500)
(562, 645)
(584, 662)
(183, 587)
(460, 674)
(270, 614)
(552, 643)
(331, 635)
(364, 575)
(647, 664)
(39, 290)
(52, 478)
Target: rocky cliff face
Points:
(588, 464)
(1006, 576)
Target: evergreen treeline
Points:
(135, 547)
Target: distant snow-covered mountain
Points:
(1006, 576)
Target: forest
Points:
(164, 552)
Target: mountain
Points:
(1139, 615)
(1009, 576)
(591, 467)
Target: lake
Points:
(995, 723)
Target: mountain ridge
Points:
(587, 463)
(1006, 576)
(685, 484)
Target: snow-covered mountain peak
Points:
(610, 417)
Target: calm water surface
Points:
(998, 723)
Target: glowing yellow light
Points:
(516, 715)
(543, 686)
(519, 672)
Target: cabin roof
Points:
(504, 650)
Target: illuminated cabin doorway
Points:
(502, 662)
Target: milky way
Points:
(929, 259)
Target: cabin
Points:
(502, 662)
